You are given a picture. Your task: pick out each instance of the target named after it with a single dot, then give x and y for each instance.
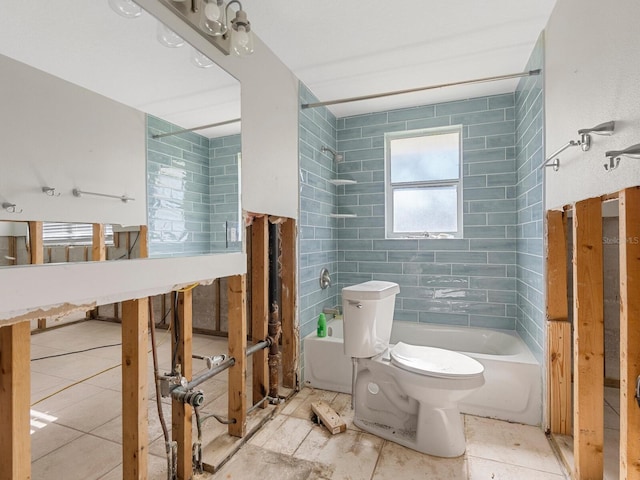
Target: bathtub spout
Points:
(331, 311)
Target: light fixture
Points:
(213, 17)
(126, 8)
(212, 20)
(614, 156)
(168, 37)
(584, 142)
(241, 36)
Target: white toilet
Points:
(405, 393)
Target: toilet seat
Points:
(434, 362)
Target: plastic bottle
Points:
(322, 325)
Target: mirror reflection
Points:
(190, 180)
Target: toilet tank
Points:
(368, 316)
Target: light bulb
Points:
(212, 19)
(242, 41)
(212, 11)
(125, 8)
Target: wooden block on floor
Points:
(328, 417)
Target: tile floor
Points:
(81, 426)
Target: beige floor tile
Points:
(254, 462)
(612, 397)
(510, 443)
(283, 434)
(73, 367)
(43, 384)
(484, 469)
(611, 454)
(112, 430)
(85, 458)
(314, 395)
(611, 418)
(156, 469)
(91, 412)
(46, 436)
(397, 462)
(65, 397)
(353, 455)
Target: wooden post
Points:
(629, 205)
(15, 392)
(13, 250)
(98, 249)
(558, 326)
(260, 304)
(588, 346)
(36, 255)
(36, 249)
(135, 434)
(290, 330)
(143, 242)
(180, 412)
(237, 349)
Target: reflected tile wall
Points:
(469, 281)
(226, 228)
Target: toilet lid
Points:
(434, 362)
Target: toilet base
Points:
(384, 409)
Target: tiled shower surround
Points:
(469, 281)
(529, 204)
(192, 190)
(476, 280)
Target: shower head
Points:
(338, 157)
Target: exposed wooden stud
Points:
(36, 248)
(588, 346)
(143, 242)
(13, 250)
(558, 327)
(559, 376)
(260, 304)
(36, 255)
(629, 206)
(15, 391)
(135, 422)
(98, 249)
(237, 349)
(290, 329)
(181, 413)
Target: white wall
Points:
(56, 134)
(269, 111)
(592, 76)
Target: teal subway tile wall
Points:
(317, 228)
(224, 189)
(191, 187)
(469, 281)
(529, 203)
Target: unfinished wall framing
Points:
(585, 420)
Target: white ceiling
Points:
(338, 48)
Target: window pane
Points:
(426, 209)
(425, 158)
(72, 233)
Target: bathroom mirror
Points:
(185, 187)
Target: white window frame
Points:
(389, 187)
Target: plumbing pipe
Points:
(221, 367)
(275, 325)
(258, 346)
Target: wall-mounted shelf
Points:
(339, 181)
(342, 215)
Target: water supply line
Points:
(170, 447)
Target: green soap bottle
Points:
(322, 325)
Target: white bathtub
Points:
(513, 381)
